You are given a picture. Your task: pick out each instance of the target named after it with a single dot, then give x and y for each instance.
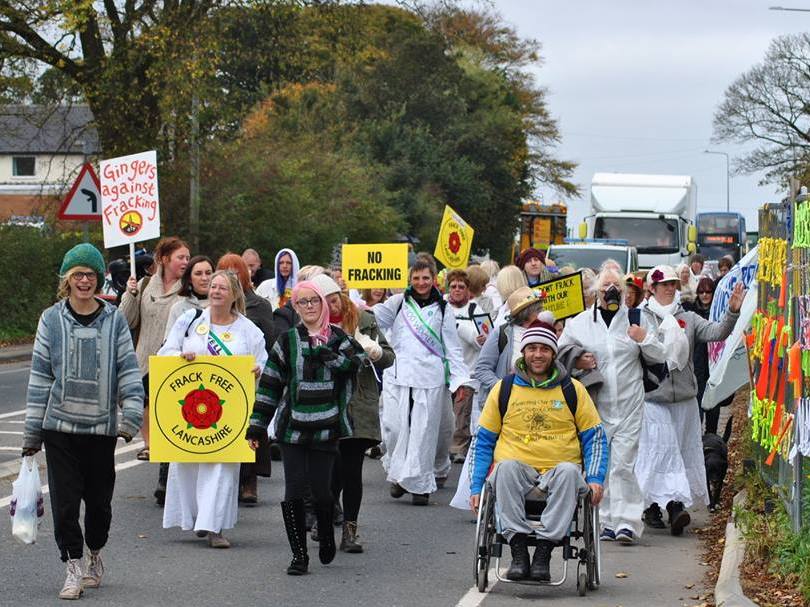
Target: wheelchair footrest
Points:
(570, 552)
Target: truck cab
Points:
(653, 213)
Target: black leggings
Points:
(305, 467)
(81, 467)
(350, 464)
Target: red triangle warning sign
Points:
(83, 202)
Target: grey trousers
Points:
(513, 481)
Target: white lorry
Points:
(654, 213)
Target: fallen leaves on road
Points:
(622, 574)
(142, 536)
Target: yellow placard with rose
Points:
(199, 411)
(455, 240)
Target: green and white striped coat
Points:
(309, 386)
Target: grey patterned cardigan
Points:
(80, 376)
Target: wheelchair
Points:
(580, 544)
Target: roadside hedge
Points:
(29, 275)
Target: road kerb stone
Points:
(728, 591)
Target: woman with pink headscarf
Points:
(308, 382)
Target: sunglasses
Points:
(704, 292)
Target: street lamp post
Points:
(728, 179)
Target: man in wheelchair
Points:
(538, 427)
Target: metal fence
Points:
(787, 469)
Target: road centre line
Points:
(11, 432)
(12, 414)
(21, 369)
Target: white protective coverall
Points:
(620, 402)
(417, 416)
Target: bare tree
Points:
(769, 105)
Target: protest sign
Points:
(130, 209)
(563, 296)
(454, 242)
(200, 410)
(375, 266)
(728, 360)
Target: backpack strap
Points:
(568, 389)
(197, 314)
(504, 393)
(502, 338)
(570, 394)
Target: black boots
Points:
(653, 517)
(519, 569)
(160, 490)
(678, 518)
(539, 571)
(324, 513)
(293, 512)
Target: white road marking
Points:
(20, 370)
(12, 421)
(473, 598)
(122, 466)
(12, 414)
(10, 432)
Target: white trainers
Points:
(73, 581)
(93, 572)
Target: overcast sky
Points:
(634, 85)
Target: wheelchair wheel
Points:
(582, 584)
(591, 539)
(485, 533)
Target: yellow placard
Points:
(563, 296)
(200, 410)
(375, 266)
(455, 241)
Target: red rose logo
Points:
(657, 276)
(202, 408)
(681, 323)
(454, 242)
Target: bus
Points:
(721, 234)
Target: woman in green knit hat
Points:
(84, 392)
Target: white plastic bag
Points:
(27, 504)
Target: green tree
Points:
(123, 56)
(282, 186)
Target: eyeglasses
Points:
(704, 292)
(313, 302)
(462, 286)
(77, 276)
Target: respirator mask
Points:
(613, 298)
